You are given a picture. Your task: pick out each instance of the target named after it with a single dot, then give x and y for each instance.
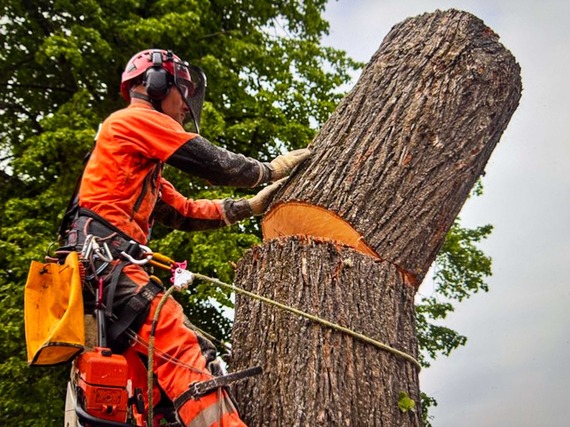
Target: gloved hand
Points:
(282, 165)
(260, 201)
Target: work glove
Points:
(282, 165)
(260, 202)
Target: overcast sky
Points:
(515, 368)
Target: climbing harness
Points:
(97, 252)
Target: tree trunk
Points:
(322, 377)
(390, 171)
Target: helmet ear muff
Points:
(156, 79)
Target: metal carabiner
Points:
(145, 249)
(104, 253)
(87, 247)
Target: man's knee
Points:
(215, 408)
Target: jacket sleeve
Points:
(219, 166)
(178, 212)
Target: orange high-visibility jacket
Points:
(123, 182)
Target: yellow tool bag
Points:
(53, 312)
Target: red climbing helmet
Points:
(159, 70)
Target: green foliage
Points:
(270, 85)
(461, 269)
(427, 403)
(405, 403)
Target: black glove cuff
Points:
(236, 210)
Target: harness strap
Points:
(73, 204)
(104, 223)
(136, 305)
(131, 248)
(112, 287)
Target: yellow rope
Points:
(324, 322)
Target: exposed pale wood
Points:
(296, 218)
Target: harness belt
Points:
(120, 243)
(102, 243)
(201, 388)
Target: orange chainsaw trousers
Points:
(181, 357)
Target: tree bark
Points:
(322, 377)
(390, 169)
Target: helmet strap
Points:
(156, 104)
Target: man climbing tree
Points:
(60, 69)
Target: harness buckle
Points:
(136, 249)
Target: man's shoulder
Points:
(144, 115)
(134, 110)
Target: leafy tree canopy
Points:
(271, 84)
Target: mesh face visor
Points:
(191, 82)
